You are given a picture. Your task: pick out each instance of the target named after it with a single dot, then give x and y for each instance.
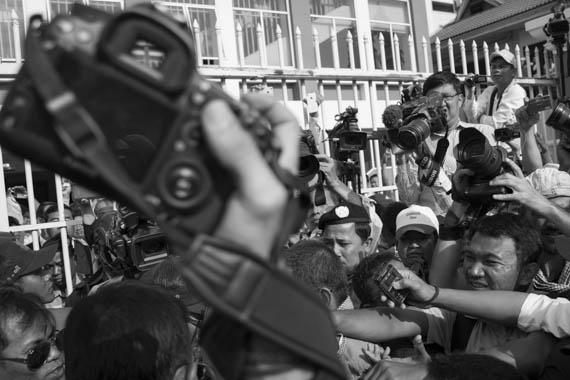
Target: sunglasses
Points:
(39, 353)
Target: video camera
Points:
(427, 115)
(474, 152)
(346, 132)
(473, 80)
(85, 105)
(557, 26)
(128, 244)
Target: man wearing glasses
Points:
(30, 347)
(497, 104)
(449, 87)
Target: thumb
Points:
(421, 353)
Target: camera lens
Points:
(412, 134)
(308, 167)
(559, 119)
(483, 159)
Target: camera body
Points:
(538, 104)
(385, 280)
(474, 152)
(346, 132)
(557, 26)
(128, 244)
(475, 80)
(156, 142)
(508, 132)
(428, 116)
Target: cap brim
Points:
(40, 258)
(415, 227)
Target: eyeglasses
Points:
(447, 98)
(39, 353)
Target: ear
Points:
(367, 245)
(328, 297)
(527, 273)
(186, 372)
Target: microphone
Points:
(392, 116)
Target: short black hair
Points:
(439, 79)
(363, 230)
(127, 331)
(527, 238)
(26, 308)
(314, 263)
(366, 269)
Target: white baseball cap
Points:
(505, 55)
(416, 218)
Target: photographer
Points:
(497, 104)
(448, 86)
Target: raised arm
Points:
(380, 324)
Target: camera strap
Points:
(234, 281)
(264, 299)
(75, 127)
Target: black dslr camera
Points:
(88, 106)
(80, 65)
(428, 116)
(474, 152)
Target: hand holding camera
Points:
(522, 191)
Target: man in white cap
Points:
(497, 104)
(417, 230)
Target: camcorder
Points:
(508, 132)
(538, 104)
(476, 79)
(428, 116)
(346, 133)
(512, 131)
(385, 280)
(86, 105)
(128, 244)
(557, 26)
(474, 152)
(347, 141)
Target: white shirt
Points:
(504, 106)
(540, 312)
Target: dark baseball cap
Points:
(345, 212)
(17, 261)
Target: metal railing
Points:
(368, 88)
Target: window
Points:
(340, 15)
(442, 7)
(202, 12)
(391, 18)
(7, 35)
(269, 14)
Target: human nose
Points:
(475, 270)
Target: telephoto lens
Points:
(559, 119)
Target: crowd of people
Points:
(437, 285)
